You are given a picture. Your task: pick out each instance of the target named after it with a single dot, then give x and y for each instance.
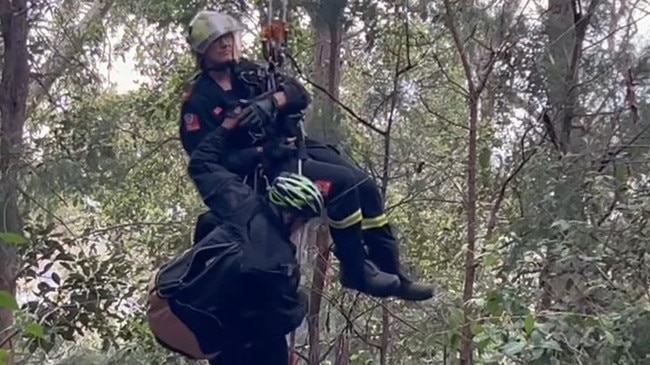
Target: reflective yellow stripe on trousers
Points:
(349, 221)
(376, 222)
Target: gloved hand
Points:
(297, 96)
(278, 151)
(258, 113)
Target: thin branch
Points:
(58, 63)
(335, 100)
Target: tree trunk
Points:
(322, 240)
(566, 28)
(477, 73)
(327, 26)
(13, 97)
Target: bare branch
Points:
(59, 63)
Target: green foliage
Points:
(561, 275)
(7, 300)
(32, 331)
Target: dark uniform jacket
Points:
(268, 273)
(206, 105)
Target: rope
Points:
(274, 41)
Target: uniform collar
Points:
(207, 84)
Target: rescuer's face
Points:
(222, 50)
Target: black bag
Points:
(208, 299)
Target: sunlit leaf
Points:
(7, 300)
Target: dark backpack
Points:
(204, 301)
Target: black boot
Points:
(412, 291)
(357, 272)
(383, 250)
(365, 277)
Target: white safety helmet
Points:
(207, 26)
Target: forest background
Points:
(510, 138)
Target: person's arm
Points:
(195, 126)
(293, 96)
(242, 161)
(221, 190)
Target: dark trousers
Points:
(372, 205)
(273, 351)
(377, 234)
(343, 208)
(350, 190)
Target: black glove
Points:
(297, 96)
(257, 114)
(275, 151)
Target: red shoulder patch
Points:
(191, 122)
(324, 186)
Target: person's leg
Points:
(270, 351)
(382, 246)
(344, 212)
(231, 356)
(273, 351)
(372, 205)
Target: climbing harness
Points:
(274, 35)
(274, 43)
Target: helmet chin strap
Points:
(220, 66)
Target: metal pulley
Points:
(275, 34)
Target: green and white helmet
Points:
(297, 194)
(207, 26)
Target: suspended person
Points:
(224, 79)
(233, 296)
(344, 214)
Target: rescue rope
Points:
(274, 42)
(275, 35)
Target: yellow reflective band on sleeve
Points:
(349, 221)
(376, 222)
